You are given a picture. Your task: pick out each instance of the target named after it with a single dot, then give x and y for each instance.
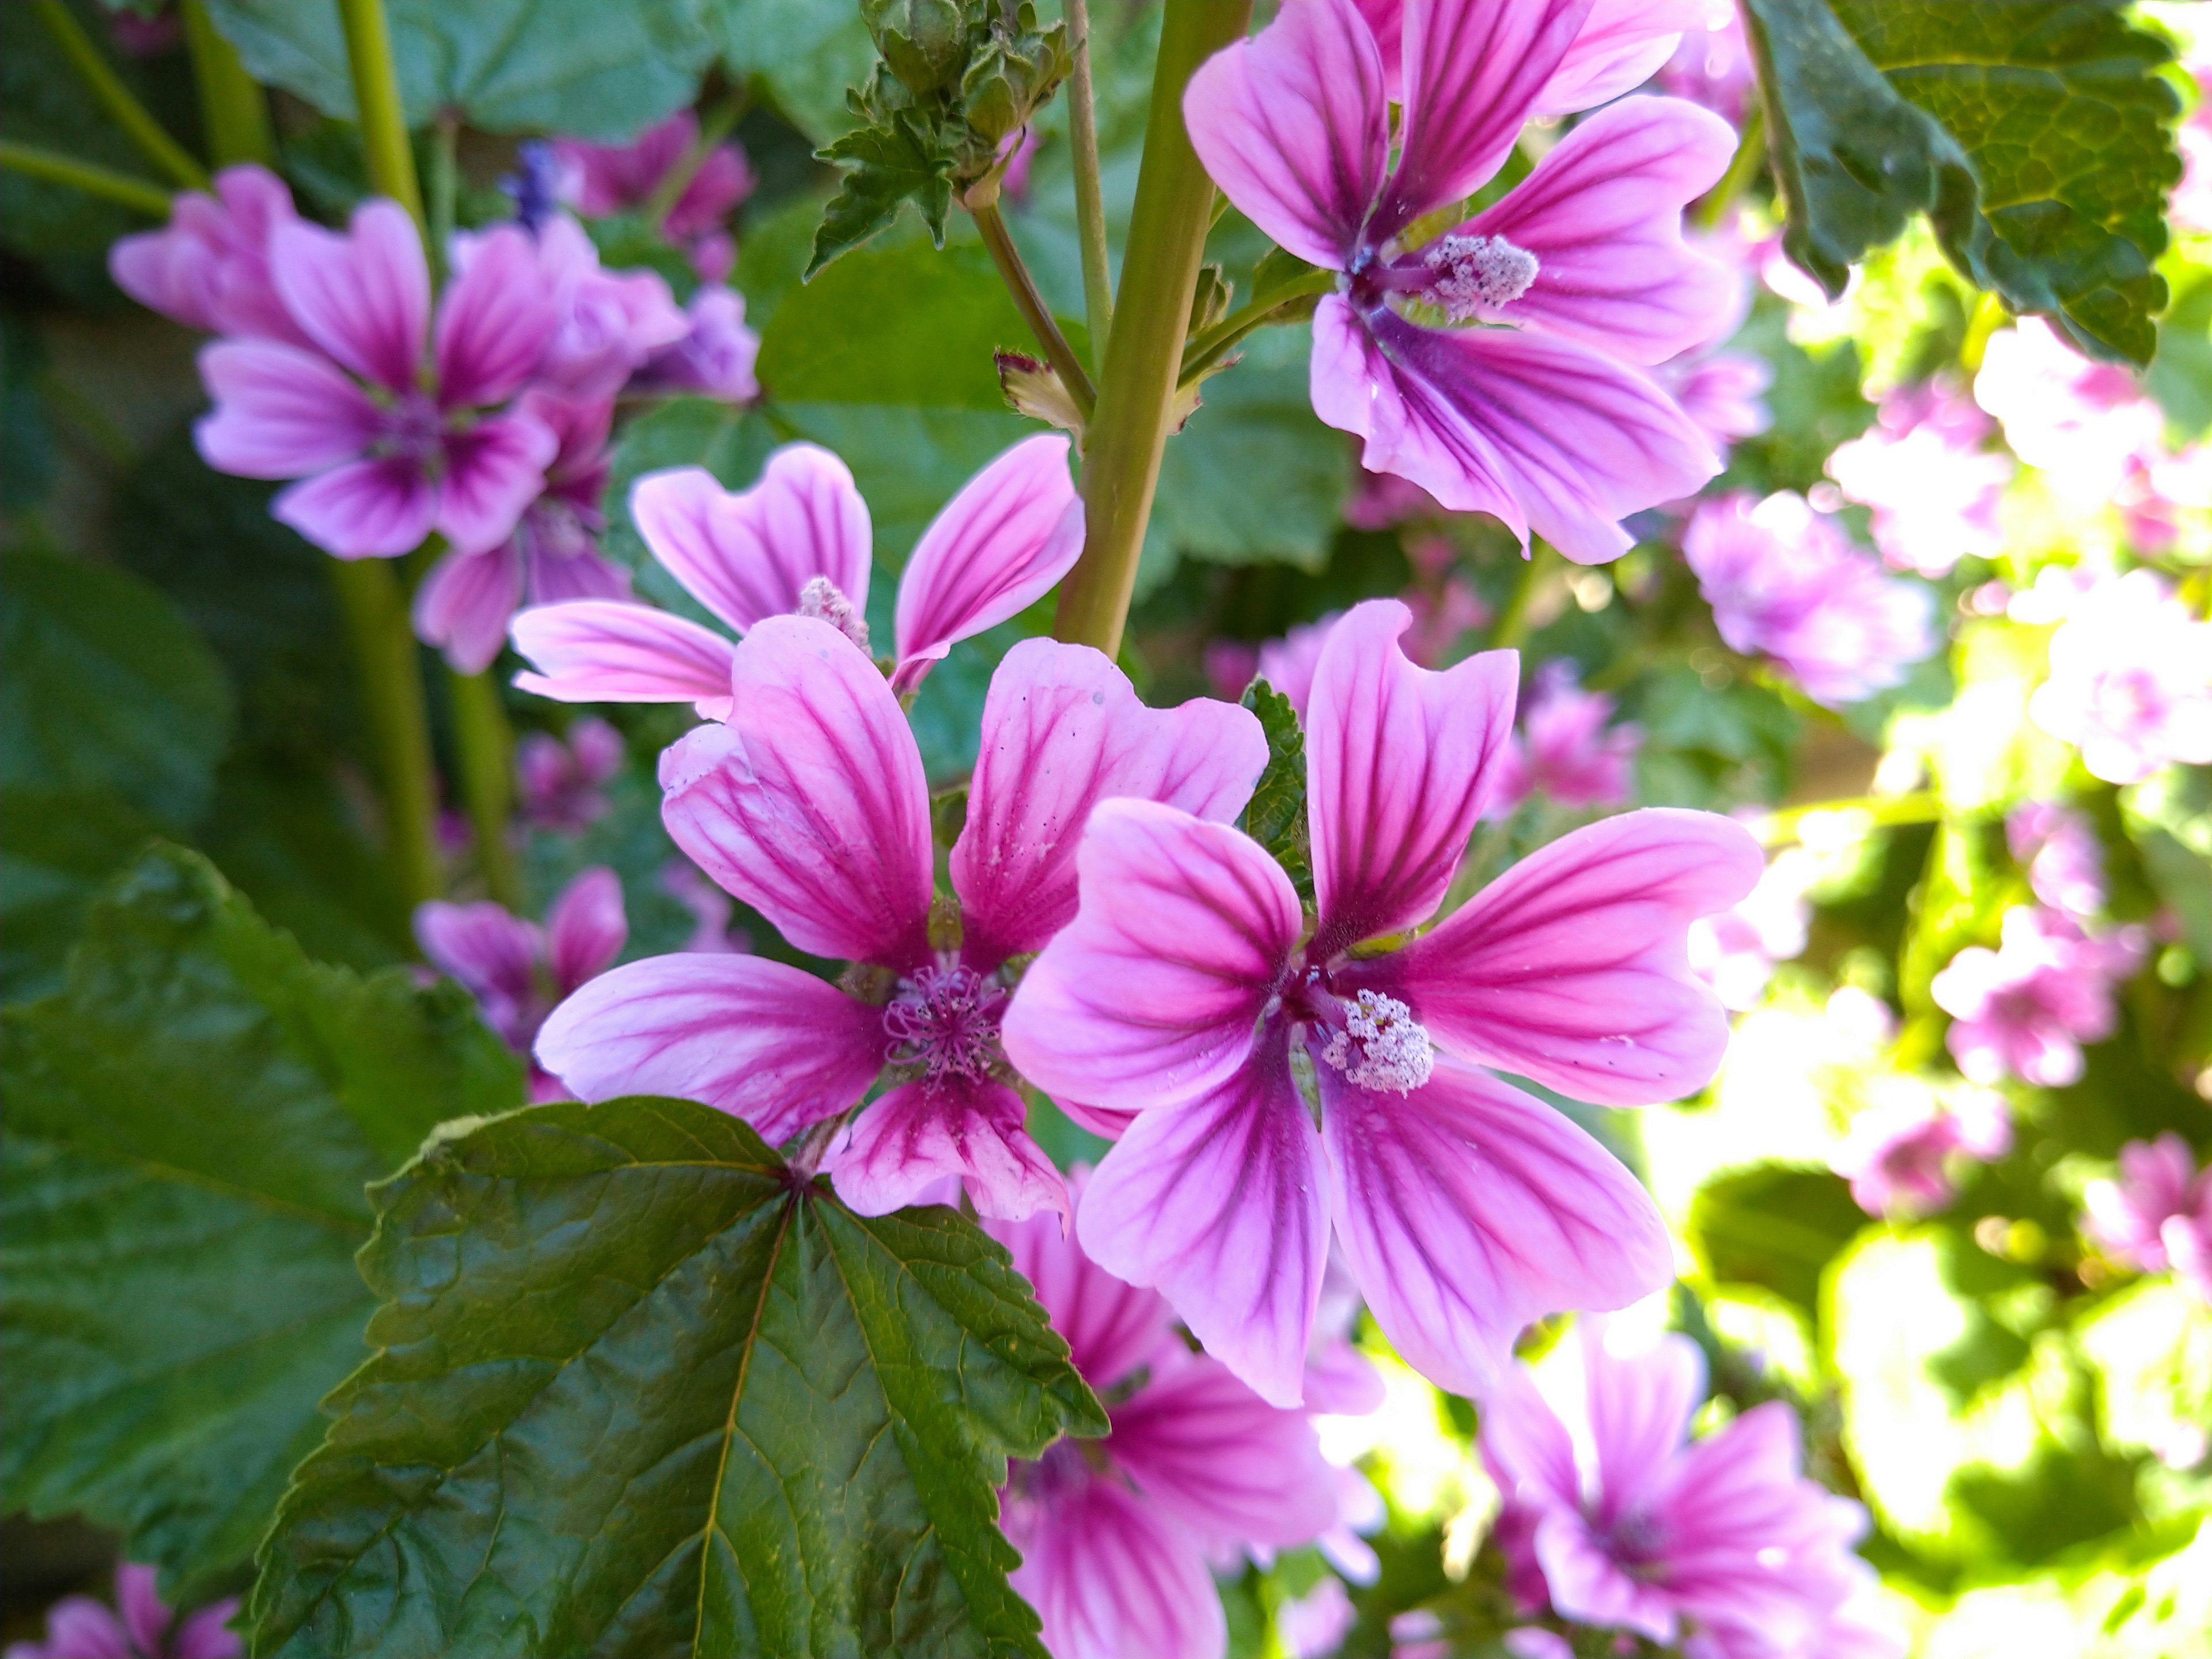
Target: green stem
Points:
(1513, 624)
(1090, 202)
(486, 748)
(445, 190)
(1037, 314)
(1207, 349)
(376, 619)
(1779, 828)
(93, 180)
(1750, 156)
(234, 110)
(376, 97)
(721, 121)
(152, 139)
(1151, 315)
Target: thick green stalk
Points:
(1152, 314)
(486, 746)
(233, 107)
(93, 180)
(1037, 314)
(375, 608)
(376, 96)
(1090, 203)
(152, 139)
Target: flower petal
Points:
(600, 651)
(1468, 1209)
(279, 412)
(463, 604)
(1218, 1201)
(1620, 45)
(1473, 70)
(484, 945)
(587, 927)
(1110, 1578)
(362, 510)
(810, 805)
(1111, 1326)
(1603, 213)
(1063, 730)
(494, 471)
(1640, 1407)
(363, 297)
(1150, 996)
(1527, 1446)
(1399, 761)
(749, 556)
(997, 548)
(494, 321)
(762, 1040)
(1293, 127)
(1572, 966)
(1233, 1468)
(911, 1137)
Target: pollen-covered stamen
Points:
(945, 1020)
(824, 599)
(1381, 1046)
(1471, 275)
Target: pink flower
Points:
(557, 783)
(1723, 391)
(604, 178)
(2059, 851)
(798, 543)
(1547, 423)
(1314, 1625)
(1167, 1011)
(386, 448)
(1288, 664)
(605, 322)
(516, 970)
(1420, 1634)
(1385, 501)
(1566, 751)
(1719, 1545)
(714, 359)
(1902, 1157)
(464, 604)
(810, 806)
(1736, 952)
(1712, 64)
(209, 268)
(1444, 612)
(2024, 1008)
(2157, 1217)
(1933, 489)
(2087, 425)
(138, 1627)
(710, 907)
(1116, 1534)
(2130, 680)
(2191, 206)
(1784, 581)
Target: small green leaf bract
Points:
(896, 162)
(639, 1388)
(1275, 817)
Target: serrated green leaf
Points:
(638, 1390)
(890, 164)
(191, 1125)
(1275, 817)
(2035, 134)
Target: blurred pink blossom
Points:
(557, 781)
(714, 359)
(2087, 426)
(1444, 612)
(710, 907)
(1566, 749)
(2130, 681)
(2191, 206)
(1933, 489)
(604, 178)
(1722, 390)
(1712, 64)
(1902, 1156)
(209, 268)
(1736, 952)
(1784, 581)
(1314, 1625)
(2060, 851)
(2024, 1009)
(605, 322)
(1385, 500)
(2157, 1217)
(138, 1626)
(1418, 1634)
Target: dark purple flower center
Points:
(945, 1020)
(413, 429)
(1637, 1544)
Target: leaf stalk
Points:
(121, 104)
(1037, 314)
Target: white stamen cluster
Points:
(1474, 274)
(1381, 1046)
(824, 599)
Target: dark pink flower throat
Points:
(945, 1020)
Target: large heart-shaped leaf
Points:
(640, 1388)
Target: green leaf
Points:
(1774, 1225)
(801, 54)
(2035, 134)
(639, 1388)
(581, 67)
(892, 164)
(191, 1125)
(1275, 817)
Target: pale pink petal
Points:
(1399, 761)
(279, 412)
(760, 1040)
(1587, 1584)
(485, 946)
(1111, 1327)
(1292, 126)
(997, 548)
(1218, 1201)
(207, 1634)
(1062, 730)
(363, 297)
(1227, 1465)
(598, 651)
(494, 471)
(173, 271)
(810, 805)
(362, 510)
(143, 1615)
(750, 557)
(1603, 213)
(587, 928)
(1640, 1407)
(1528, 1448)
(463, 604)
(1468, 1209)
(78, 1627)
(1621, 44)
(493, 321)
(1150, 996)
(1386, 20)
(1474, 71)
(1572, 966)
(1576, 441)
(914, 1136)
(1112, 1578)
